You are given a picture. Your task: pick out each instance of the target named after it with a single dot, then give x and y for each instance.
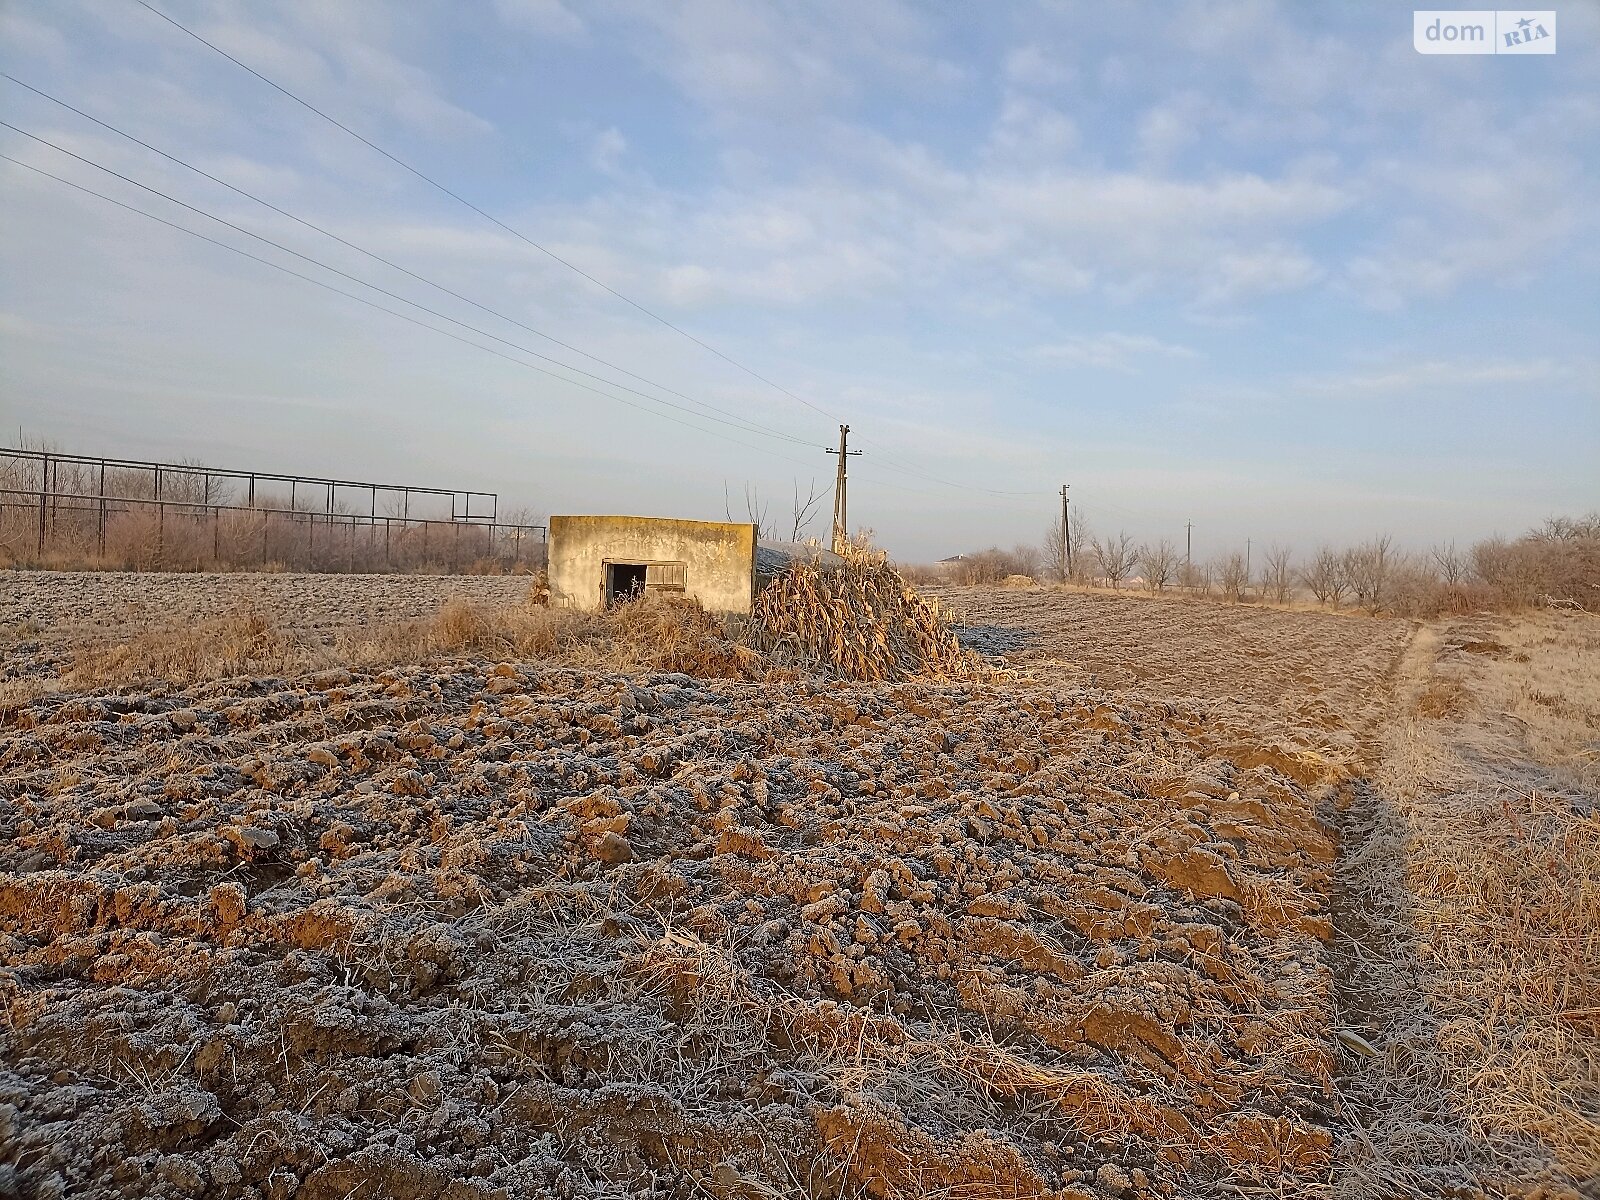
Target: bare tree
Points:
(1025, 560)
(1081, 560)
(1075, 565)
(1325, 577)
(1557, 529)
(1512, 568)
(1277, 573)
(1116, 556)
(1159, 562)
(1451, 562)
(1233, 576)
(1053, 552)
(755, 511)
(1368, 568)
(804, 510)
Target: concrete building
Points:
(596, 561)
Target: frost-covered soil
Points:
(42, 613)
(468, 929)
(1329, 669)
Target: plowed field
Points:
(466, 929)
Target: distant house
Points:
(597, 561)
(951, 565)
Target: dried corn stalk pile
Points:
(858, 619)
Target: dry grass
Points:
(652, 634)
(1483, 876)
(245, 642)
(860, 620)
(18, 693)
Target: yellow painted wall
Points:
(719, 557)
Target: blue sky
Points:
(1257, 265)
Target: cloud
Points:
(735, 58)
(337, 57)
(1032, 66)
(607, 149)
(546, 18)
(1239, 276)
(1171, 126)
(1500, 217)
(895, 209)
(1434, 375)
(1028, 130)
(1110, 351)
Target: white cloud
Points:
(546, 18)
(736, 58)
(1110, 351)
(1433, 375)
(1499, 217)
(607, 149)
(865, 202)
(1170, 127)
(337, 58)
(1033, 66)
(1032, 132)
(1240, 275)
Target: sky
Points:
(1256, 266)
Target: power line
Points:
(400, 315)
(753, 425)
(432, 312)
(460, 199)
(391, 312)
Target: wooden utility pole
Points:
(1247, 558)
(1188, 543)
(841, 515)
(1066, 535)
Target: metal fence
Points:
(67, 510)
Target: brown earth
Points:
(466, 929)
(1333, 668)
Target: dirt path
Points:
(1400, 1134)
(1464, 915)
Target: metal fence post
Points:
(44, 493)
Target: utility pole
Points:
(1188, 544)
(1066, 535)
(841, 516)
(1247, 558)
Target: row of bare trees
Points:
(1555, 564)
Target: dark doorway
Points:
(624, 581)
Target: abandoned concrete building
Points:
(596, 561)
